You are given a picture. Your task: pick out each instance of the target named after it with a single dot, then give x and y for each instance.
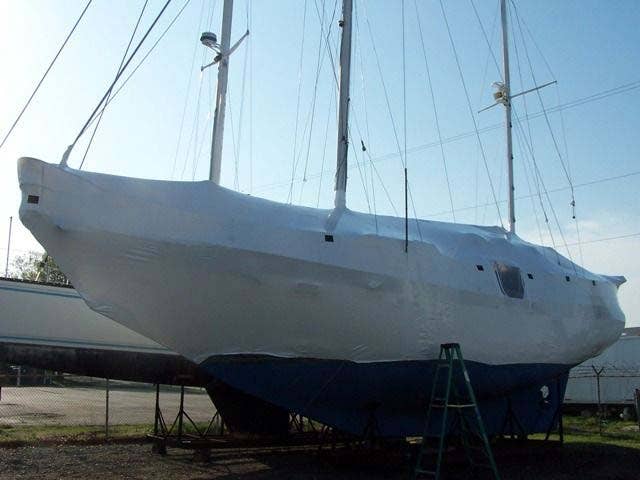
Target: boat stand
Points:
(176, 435)
(511, 427)
(184, 433)
(557, 417)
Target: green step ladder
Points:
(451, 363)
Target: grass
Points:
(21, 435)
(35, 434)
(615, 432)
(578, 430)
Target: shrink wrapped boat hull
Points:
(321, 312)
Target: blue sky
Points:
(587, 46)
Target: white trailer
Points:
(611, 378)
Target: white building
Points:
(617, 370)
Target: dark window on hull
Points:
(510, 280)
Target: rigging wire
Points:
(565, 167)
(520, 22)
(480, 98)
(336, 86)
(142, 60)
(486, 39)
(35, 90)
(605, 239)
(363, 148)
(358, 164)
(624, 88)
(196, 111)
(194, 124)
(553, 190)
(523, 150)
(475, 124)
(327, 44)
(544, 110)
(403, 159)
(124, 56)
(238, 145)
(553, 210)
(528, 151)
(295, 134)
(193, 129)
(319, 63)
(490, 52)
(324, 146)
(108, 92)
(471, 133)
(354, 117)
(435, 111)
(188, 91)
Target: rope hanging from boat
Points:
(124, 56)
(65, 156)
(35, 90)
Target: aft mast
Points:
(221, 94)
(506, 101)
(343, 106)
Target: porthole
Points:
(510, 280)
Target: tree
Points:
(38, 267)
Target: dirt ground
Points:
(136, 461)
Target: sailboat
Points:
(330, 313)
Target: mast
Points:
(221, 94)
(343, 106)
(506, 100)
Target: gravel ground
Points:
(583, 461)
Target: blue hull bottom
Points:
(522, 398)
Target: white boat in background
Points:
(332, 314)
(50, 327)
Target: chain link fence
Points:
(38, 405)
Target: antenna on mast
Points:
(223, 52)
(502, 96)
